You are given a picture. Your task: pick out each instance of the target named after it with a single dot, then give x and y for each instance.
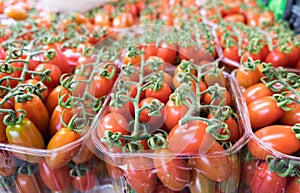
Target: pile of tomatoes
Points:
(174, 112)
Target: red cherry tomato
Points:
(162, 93)
(54, 76)
(174, 113)
(256, 91)
(55, 180)
(83, 178)
(264, 180)
(264, 111)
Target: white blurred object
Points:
(71, 5)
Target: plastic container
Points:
(143, 170)
(264, 169)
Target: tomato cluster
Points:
(272, 103)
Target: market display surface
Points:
(148, 96)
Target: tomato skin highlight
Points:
(264, 111)
(279, 137)
(264, 180)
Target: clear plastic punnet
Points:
(270, 160)
(176, 125)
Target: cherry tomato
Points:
(266, 18)
(100, 86)
(102, 19)
(61, 138)
(162, 93)
(40, 119)
(168, 52)
(25, 134)
(113, 122)
(233, 128)
(155, 60)
(246, 77)
(55, 73)
(15, 12)
(83, 155)
(149, 50)
(256, 91)
(264, 180)
(40, 85)
(264, 111)
(291, 117)
(134, 60)
(225, 96)
(53, 98)
(248, 168)
(278, 137)
(140, 174)
(293, 186)
(174, 113)
(173, 172)
(123, 20)
(15, 74)
(55, 180)
(201, 183)
(28, 182)
(235, 18)
(154, 121)
(189, 138)
(232, 53)
(217, 168)
(277, 58)
(83, 178)
(59, 115)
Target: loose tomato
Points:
(59, 116)
(291, 117)
(113, 122)
(278, 137)
(201, 183)
(140, 174)
(174, 113)
(190, 138)
(54, 76)
(61, 138)
(83, 178)
(40, 119)
(264, 111)
(55, 180)
(173, 172)
(162, 92)
(264, 180)
(217, 168)
(256, 91)
(293, 186)
(53, 98)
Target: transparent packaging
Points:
(142, 169)
(269, 162)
